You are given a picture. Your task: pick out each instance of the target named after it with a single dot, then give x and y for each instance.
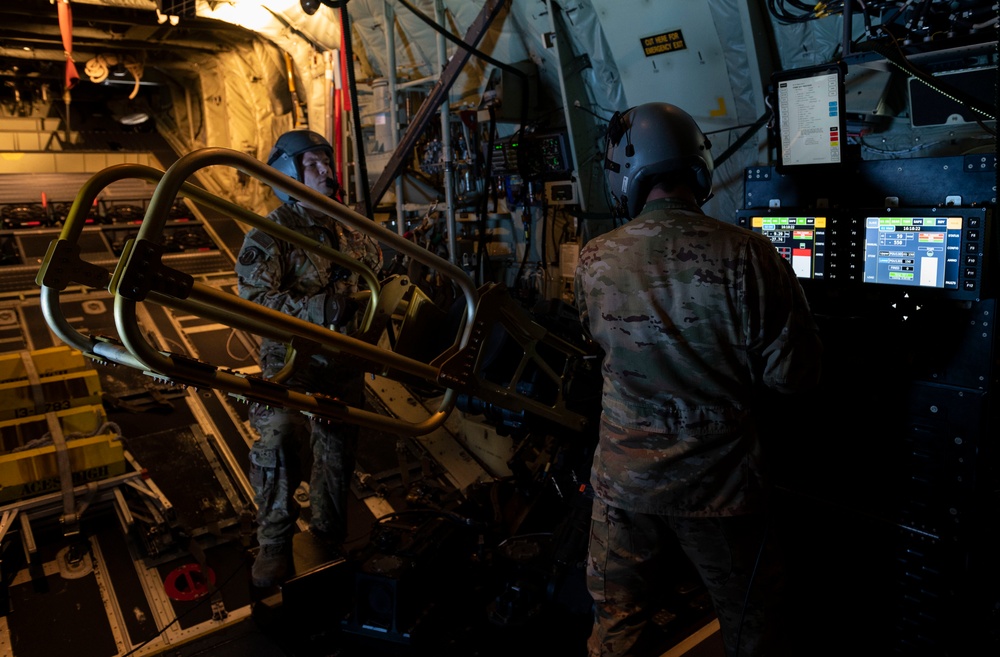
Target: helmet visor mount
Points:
(618, 129)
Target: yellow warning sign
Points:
(661, 43)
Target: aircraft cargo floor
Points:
(159, 563)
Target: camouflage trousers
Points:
(289, 447)
(629, 563)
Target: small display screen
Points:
(799, 239)
(919, 251)
(811, 127)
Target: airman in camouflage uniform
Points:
(284, 277)
(693, 314)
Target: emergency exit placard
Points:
(661, 43)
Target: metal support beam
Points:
(447, 154)
(433, 101)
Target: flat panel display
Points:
(932, 248)
(800, 238)
(810, 123)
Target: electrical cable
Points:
(913, 149)
(742, 139)
(478, 53)
(782, 15)
(99, 67)
(431, 23)
(579, 106)
(898, 58)
(525, 92)
(735, 127)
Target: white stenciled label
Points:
(624, 183)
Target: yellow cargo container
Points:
(44, 381)
(27, 471)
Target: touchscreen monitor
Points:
(810, 124)
(800, 237)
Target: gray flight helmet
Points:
(287, 151)
(648, 142)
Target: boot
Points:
(273, 564)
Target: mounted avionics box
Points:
(810, 124)
(931, 248)
(930, 107)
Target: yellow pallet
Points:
(30, 472)
(45, 362)
(46, 380)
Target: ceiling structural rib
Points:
(137, 38)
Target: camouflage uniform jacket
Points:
(287, 278)
(692, 314)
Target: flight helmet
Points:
(287, 151)
(649, 142)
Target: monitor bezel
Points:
(965, 212)
(839, 69)
(744, 217)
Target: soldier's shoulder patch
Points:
(250, 255)
(261, 238)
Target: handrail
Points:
(71, 265)
(62, 263)
(141, 276)
(140, 273)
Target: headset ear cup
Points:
(703, 180)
